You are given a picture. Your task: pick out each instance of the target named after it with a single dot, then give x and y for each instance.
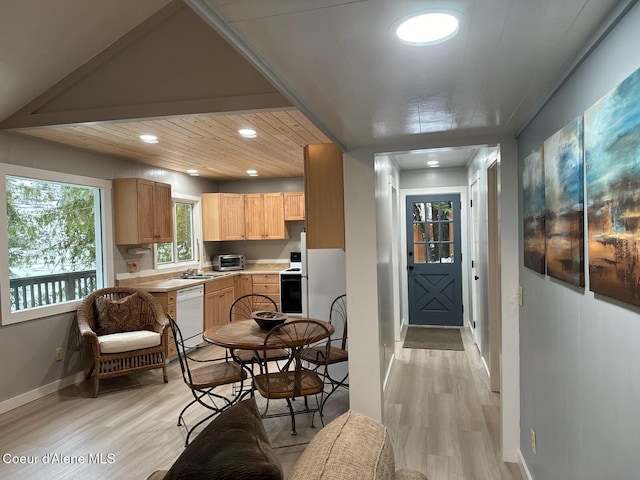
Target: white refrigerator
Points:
(323, 279)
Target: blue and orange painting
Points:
(612, 158)
(564, 203)
(533, 211)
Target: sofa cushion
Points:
(353, 447)
(234, 446)
(118, 315)
(128, 341)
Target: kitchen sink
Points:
(204, 276)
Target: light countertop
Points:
(168, 284)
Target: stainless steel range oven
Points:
(291, 286)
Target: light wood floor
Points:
(442, 418)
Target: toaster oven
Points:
(228, 262)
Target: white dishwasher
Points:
(189, 313)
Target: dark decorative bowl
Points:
(267, 320)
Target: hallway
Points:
(443, 419)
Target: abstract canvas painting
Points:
(533, 211)
(564, 202)
(612, 157)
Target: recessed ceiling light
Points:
(193, 172)
(147, 138)
(252, 173)
(433, 163)
(247, 133)
(428, 28)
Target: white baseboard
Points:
(40, 392)
(388, 372)
(524, 469)
(486, 367)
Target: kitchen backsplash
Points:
(260, 249)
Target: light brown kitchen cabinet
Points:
(168, 302)
(264, 216)
(223, 216)
(142, 211)
(254, 216)
(269, 285)
(243, 285)
(324, 196)
(218, 297)
(293, 206)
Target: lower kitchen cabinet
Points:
(168, 302)
(243, 285)
(269, 285)
(218, 297)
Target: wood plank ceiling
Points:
(207, 143)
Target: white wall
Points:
(580, 360)
(477, 173)
(365, 340)
(387, 182)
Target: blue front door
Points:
(434, 260)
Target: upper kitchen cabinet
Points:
(324, 196)
(264, 216)
(142, 211)
(293, 206)
(222, 217)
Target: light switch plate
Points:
(533, 441)
(520, 295)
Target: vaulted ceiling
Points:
(316, 70)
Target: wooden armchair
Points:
(127, 331)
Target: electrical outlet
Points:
(533, 441)
(58, 354)
(132, 267)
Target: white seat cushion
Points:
(127, 341)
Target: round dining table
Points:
(248, 335)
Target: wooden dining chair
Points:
(295, 380)
(205, 376)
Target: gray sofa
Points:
(234, 446)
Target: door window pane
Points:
(433, 232)
(447, 253)
(433, 253)
(419, 212)
(445, 211)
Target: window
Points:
(433, 232)
(54, 242)
(183, 249)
